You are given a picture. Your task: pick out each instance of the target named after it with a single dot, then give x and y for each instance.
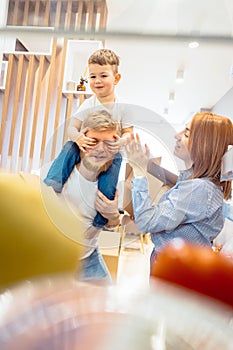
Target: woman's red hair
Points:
(210, 135)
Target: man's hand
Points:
(108, 208)
(138, 157)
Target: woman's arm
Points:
(186, 202)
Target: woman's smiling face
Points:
(181, 147)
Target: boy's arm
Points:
(74, 129)
(78, 136)
(126, 135)
(127, 132)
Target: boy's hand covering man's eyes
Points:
(85, 143)
(114, 146)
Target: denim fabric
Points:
(93, 268)
(228, 210)
(63, 165)
(107, 184)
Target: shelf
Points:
(27, 54)
(76, 94)
(21, 41)
(78, 52)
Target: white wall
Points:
(4, 8)
(137, 88)
(225, 105)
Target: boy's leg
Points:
(107, 184)
(62, 166)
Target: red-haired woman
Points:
(192, 209)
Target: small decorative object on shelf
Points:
(81, 86)
(71, 84)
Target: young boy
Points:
(103, 74)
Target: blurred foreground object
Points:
(224, 241)
(31, 244)
(61, 313)
(197, 268)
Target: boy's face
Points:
(103, 80)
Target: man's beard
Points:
(89, 165)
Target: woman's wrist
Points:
(139, 172)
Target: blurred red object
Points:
(196, 268)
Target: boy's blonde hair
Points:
(101, 120)
(104, 57)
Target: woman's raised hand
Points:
(138, 155)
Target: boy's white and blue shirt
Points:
(191, 210)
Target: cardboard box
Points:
(155, 185)
(165, 176)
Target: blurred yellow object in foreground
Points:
(32, 244)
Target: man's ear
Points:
(117, 78)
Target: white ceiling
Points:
(158, 47)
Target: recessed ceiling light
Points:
(180, 76)
(193, 44)
(171, 97)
